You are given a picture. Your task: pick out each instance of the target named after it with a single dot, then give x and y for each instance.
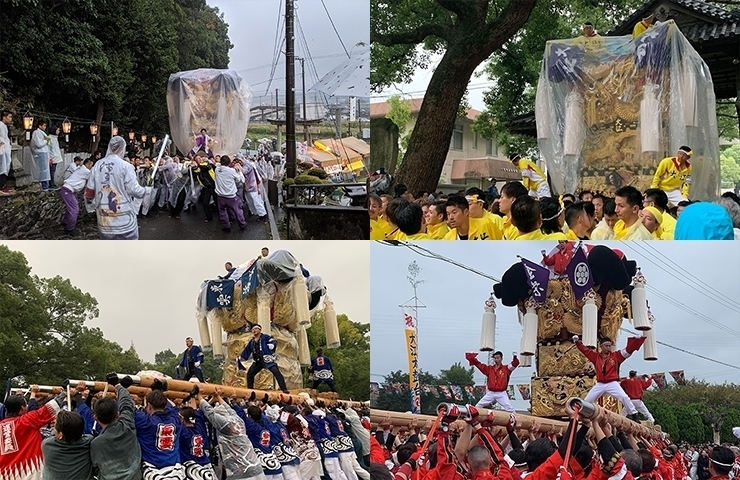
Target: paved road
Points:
(192, 226)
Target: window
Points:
(457, 138)
(475, 140)
(489, 147)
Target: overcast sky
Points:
(252, 30)
(147, 290)
(451, 323)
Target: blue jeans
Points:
(52, 169)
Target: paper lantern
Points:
(66, 128)
(205, 335)
(590, 320)
(650, 348)
(575, 128)
(300, 296)
(330, 324)
(529, 340)
(304, 353)
(639, 304)
(216, 337)
(650, 119)
(263, 310)
(488, 327)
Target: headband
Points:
(554, 216)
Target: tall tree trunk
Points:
(98, 120)
(467, 48)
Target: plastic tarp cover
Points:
(217, 100)
(608, 109)
(279, 266)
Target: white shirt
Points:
(56, 152)
(115, 186)
(77, 181)
(38, 142)
(70, 169)
(226, 180)
(4, 139)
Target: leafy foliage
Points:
(85, 58)
(730, 165)
(43, 333)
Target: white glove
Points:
(575, 338)
(197, 364)
(272, 347)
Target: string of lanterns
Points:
(28, 121)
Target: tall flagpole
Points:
(415, 281)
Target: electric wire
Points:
(335, 28)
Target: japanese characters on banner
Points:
(678, 377)
(660, 380)
(412, 347)
(510, 392)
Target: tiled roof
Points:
(381, 109)
(710, 11)
(706, 31)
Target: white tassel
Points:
(330, 324)
(639, 304)
(590, 319)
(524, 360)
(574, 124)
(205, 335)
(650, 348)
(650, 119)
(529, 341)
(488, 327)
(688, 96)
(216, 335)
(542, 110)
(263, 310)
(304, 353)
(300, 297)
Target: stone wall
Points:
(28, 215)
(323, 222)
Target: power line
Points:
(335, 28)
(279, 40)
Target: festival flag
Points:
(660, 380)
(471, 392)
(444, 390)
(374, 388)
(524, 391)
(537, 278)
(413, 355)
(220, 294)
(510, 392)
(678, 377)
(579, 274)
(457, 392)
(249, 280)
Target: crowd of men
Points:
(127, 437)
(526, 211)
(476, 449)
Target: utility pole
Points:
(303, 81)
(415, 281)
(290, 90)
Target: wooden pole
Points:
(186, 387)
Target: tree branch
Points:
(464, 10)
(411, 37)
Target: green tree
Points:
(456, 375)
(664, 416)
(406, 33)
(351, 361)
(730, 170)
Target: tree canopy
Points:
(107, 60)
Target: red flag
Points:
(634, 343)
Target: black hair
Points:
(188, 413)
(404, 452)
(610, 207)
(105, 410)
(157, 399)
(379, 471)
(550, 208)
(409, 217)
(71, 425)
(525, 214)
(399, 190)
(5, 113)
(589, 24)
(14, 404)
(648, 460)
(514, 190)
(659, 198)
(631, 195)
(421, 193)
(574, 211)
(374, 198)
(254, 412)
(732, 196)
(481, 195)
(458, 201)
(41, 122)
(584, 455)
(390, 209)
(538, 452)
(498, 353)
(569, 197)
(633, 462)
(225, 160)
(440, 206)
(319, 351)
(583, 193)
(517, 456)
(722, 455)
